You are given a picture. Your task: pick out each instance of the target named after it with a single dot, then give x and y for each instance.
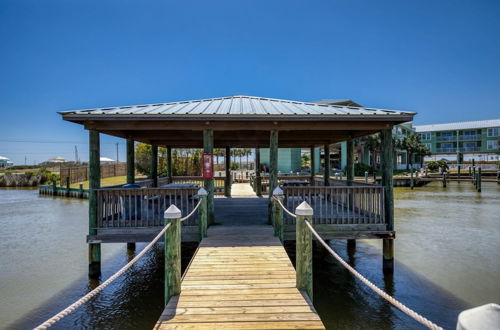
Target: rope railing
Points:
(192, 212)
(284, 208)
(419, 318)
(101, 287)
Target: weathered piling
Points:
(474, 176)
(411, 178)
(278, 213)
(498, 177)
(366, 176)
(478, 184)
(172, 239)
(94, 184)
(303, 249)
(203, 221)
(68, 187)
(388, 256)
(444, 179)
(458, 173)
(80, 193)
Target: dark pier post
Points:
(474, 176)
(154, 165)
(94, 183)
(313, 165)
(170, 172)
(303, 249)
(227, 179)
(478, 185)
(68, 185)
(273, 170)
(498, 177)
(444, 179)
(387, 183)
(208, 148)
(351, 243)
(326, 175)
(258, 178)
(458, 173)
(172, 247)
(130, 178)
(412, 183)
(130, 161)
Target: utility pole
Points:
(25, 160)
(76, 154)
(117, 161)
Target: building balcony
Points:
(447, 138)
(476, 137)
(454, 150)
(470, 149)
(446, 150)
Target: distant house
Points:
(56, 160)
(5, 162)
(106, 160)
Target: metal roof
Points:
(458, 125)
(237, 106)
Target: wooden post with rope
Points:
(278, 213)
(303, 249)
(172, 253)
(203, 221)
(94, 184)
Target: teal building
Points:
(462, 140)
(289, 159)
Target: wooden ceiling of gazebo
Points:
(238, 121)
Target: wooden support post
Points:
(366, 176)
(68, 186)
(172, 253)
(351, 247)
(170, 172)
(313, 165)
(258, 177)
(350, 162)
(54, 187)
(273, 170)
(388, 256)
(208, 148)
(479, 179)
(412, 183)
(130, 161)
(303, 249)
(80, 194)
(154, 165)
(458, 173)
(228, 180)
(498, 177)
(326, 175)
(387, 183)
(474, 177)
(278, 213)
(444, 179)
(94, 183)
(203, 221)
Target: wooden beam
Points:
(154, 165)
(208, 147)
(169, 164)
(387, 182)
(350, 162)
(227, 166)
(326, 174)
(130, 161)
(273, 169)
(258, 178)
(313, 165)
(94, 183)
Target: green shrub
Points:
(360, 169)
(234, 166)
(434, 166)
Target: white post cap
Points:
(202, 192)
(278, 191)
(172, 212)
(482, 317)
(304, 209)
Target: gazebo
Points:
(243, 122)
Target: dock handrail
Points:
(68, 310)
(417, 317)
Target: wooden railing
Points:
(143, 207)
(338, 204)
(265, 180)
(340, 182)
(218, 182)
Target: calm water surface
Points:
(447, 252)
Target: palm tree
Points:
(373, 144)
(411, 144)
(423, 151)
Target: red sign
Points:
(208, 166)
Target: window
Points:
(425, 136)
(469, 133)
(492, 144)
(494, 131)
(446, 145)
(447, 134)
(470, 144)
(428, 145)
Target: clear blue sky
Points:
(439, 58)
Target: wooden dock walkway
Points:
(240, 278)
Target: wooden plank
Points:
(234, 284)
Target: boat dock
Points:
(240, 277)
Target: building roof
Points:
(57, 159)
(4, 158)
(458, 125)
(238, 106)
(106, 159)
